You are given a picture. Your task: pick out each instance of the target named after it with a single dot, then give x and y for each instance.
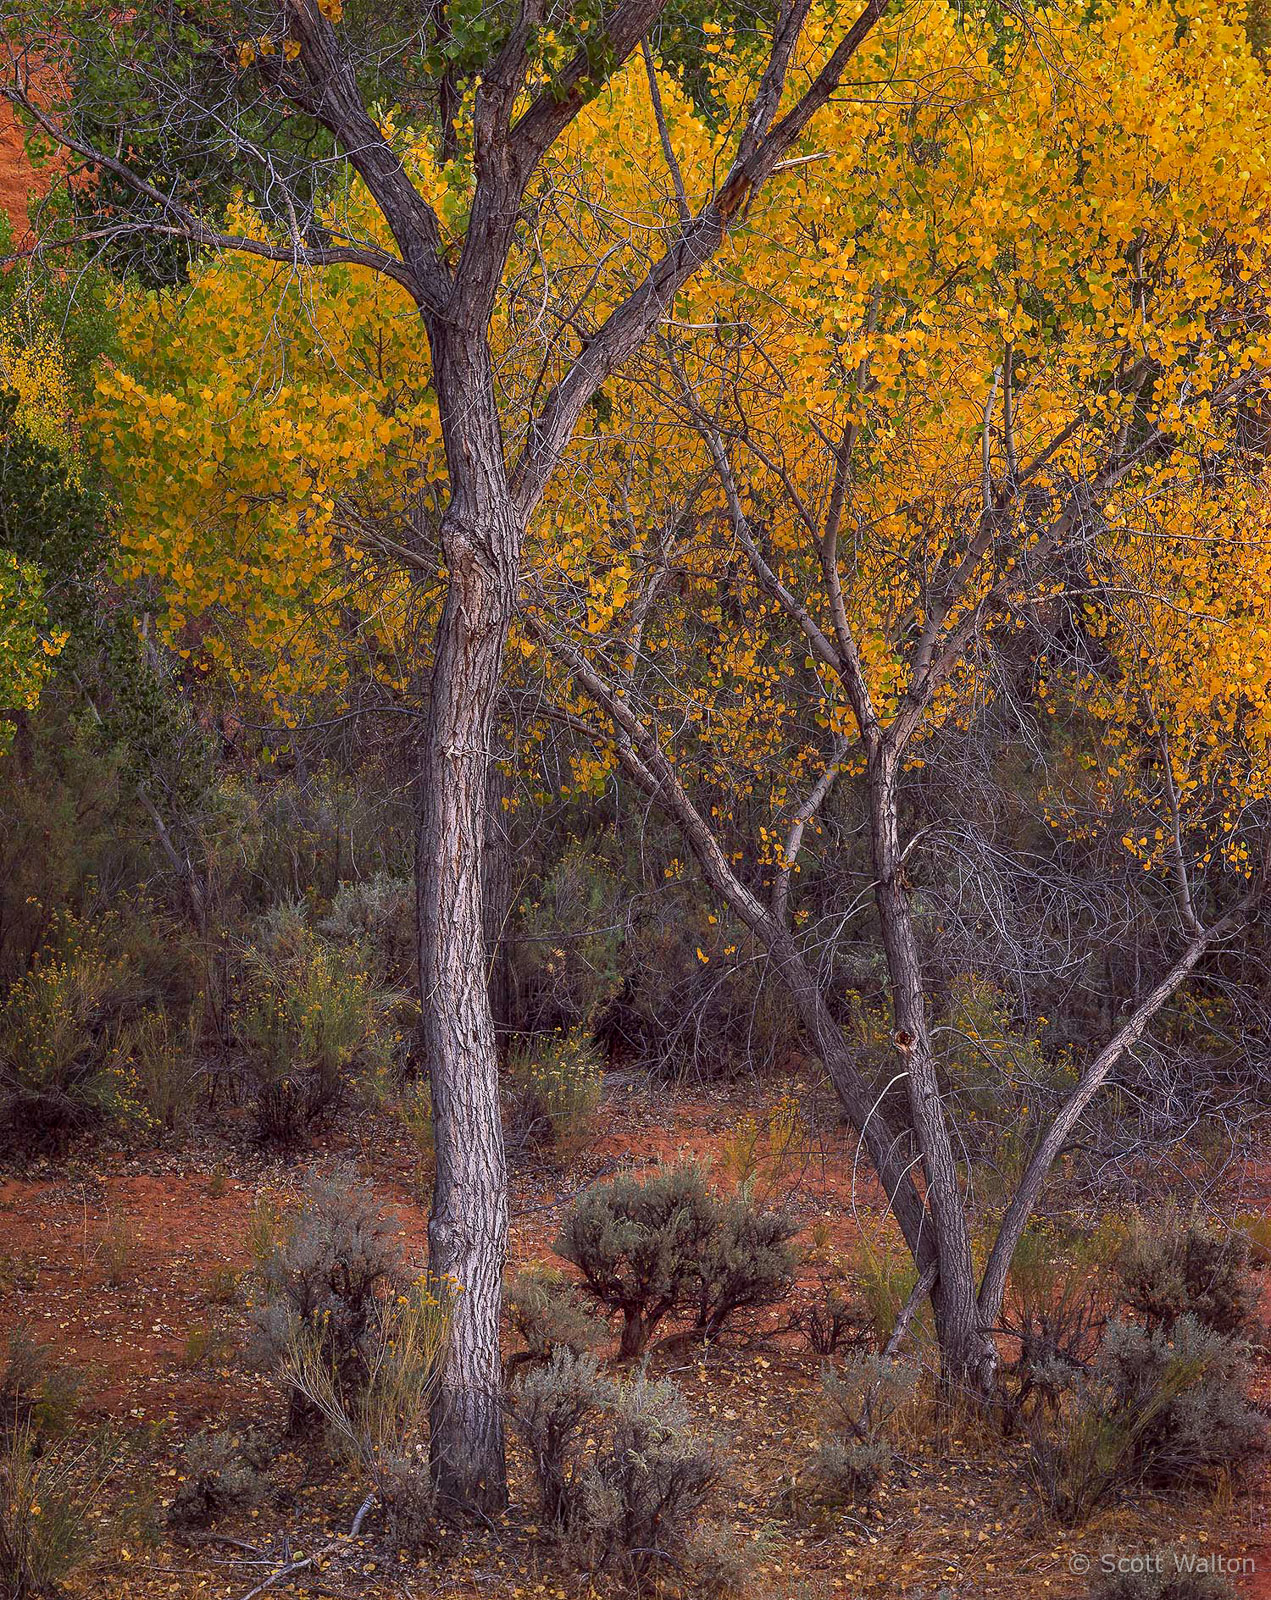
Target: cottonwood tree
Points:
(283, 99)
(999, 385)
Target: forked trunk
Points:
(968, 1357)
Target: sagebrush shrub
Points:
(376, 916)
(622, 1475)
(637, 1245)
(865, 1395)
(862, 1400)
(548, 1313)
(747, 1262)
(554, 1406)
(1175, 1268)
(664, 1245)
(1155, 1407)
(325, 1269)
(649, 1480)
(1056, 1309)
(1189, 1388)
(1168, 1579)
(220, 1473)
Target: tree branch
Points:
(695, 241)
(993, 1284)
(188, 226)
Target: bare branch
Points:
(812, 803)
(993, 1284)
(187, 225)
(664, 133)
(694, 243)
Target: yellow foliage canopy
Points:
(33, 372)
(1035, 262)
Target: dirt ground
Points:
(125, 1262)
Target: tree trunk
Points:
(496, 894)
(635, 1335)
(863, 1108)
(467, 1229)
(968, 1356)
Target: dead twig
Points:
(290, 1568)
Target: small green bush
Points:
(36, 1392)
(1155, 1408)
(376, 916)
(747, 1262)
(71, 822)
(307, 1016)
(379, 1426)
(326, 1269)
(1169, 1580)
(51, 1500)
(566, 947)
(829, 1321)
(864, 1397)
(622, 1475)
(846, 1472)
(637, 1245)
(1190, 1391)
(884, 1280)
(1176, 1268)
(56, 1033)
(861, 1403)
(1000, 1079)
(163, 1054)
(828, 1314)
(1256, 1227)
(648, 1249)
(547, 1311)
(649, 1480)
(220, 1473)
(554, 1407)
(1056, 1309)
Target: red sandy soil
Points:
(112, 1258)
